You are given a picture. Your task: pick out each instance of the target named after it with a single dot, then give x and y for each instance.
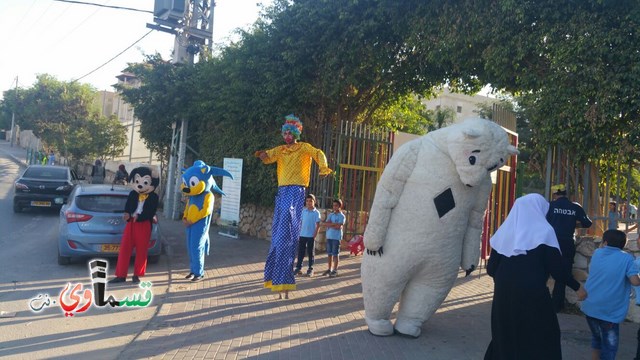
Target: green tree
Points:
(346, 64)
(100, 137)
(407, 114)
(63, 116)
(441, 117)
(571, 63)
(6, 111)
(166, 95)
(325, 60)
(332, 60)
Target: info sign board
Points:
(230, 203)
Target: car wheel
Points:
(17, 208)
(153, 259)
(63, 260)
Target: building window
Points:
(459, 109)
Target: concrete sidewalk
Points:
(15, 152)
(230, 315)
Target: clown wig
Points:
(293, 125)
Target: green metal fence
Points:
(358, 154)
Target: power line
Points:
(113, 58)
(25, 14)
(15, 80)
(30, 27)
(106, 6)
(73, 30)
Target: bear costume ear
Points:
(473, 128)
(471, 133)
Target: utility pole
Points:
(133, 131)
(13, 116)
(171, 171)
(191, 22)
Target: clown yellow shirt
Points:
(294, 163)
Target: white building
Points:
(465, 106)
(111, 103)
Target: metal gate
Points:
(503, 190)
(358, 154)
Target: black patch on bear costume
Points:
(444, 202)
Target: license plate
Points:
(41, 203)
(110, 248)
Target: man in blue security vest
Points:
(564, 216)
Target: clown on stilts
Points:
(294, 172)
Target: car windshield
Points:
(102, 203)
(46, 173)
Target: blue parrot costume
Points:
(198, 185)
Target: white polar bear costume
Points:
(426, 222)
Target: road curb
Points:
(15, 159)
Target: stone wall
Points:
(585, 246)
(256, 221)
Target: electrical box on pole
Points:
(170, 10)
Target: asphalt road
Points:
(29, 268)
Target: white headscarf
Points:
(525, 228)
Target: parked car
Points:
(91, 224)
(44, 186)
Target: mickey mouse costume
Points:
(139, 211)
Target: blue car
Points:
(91, 224)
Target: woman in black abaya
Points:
(524, 252)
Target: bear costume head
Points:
(478, 147)
(143, 180)
(198, 179)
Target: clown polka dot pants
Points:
(285, 231)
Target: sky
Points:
(69, 40)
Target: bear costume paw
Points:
(380, 327)
(408, 327)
